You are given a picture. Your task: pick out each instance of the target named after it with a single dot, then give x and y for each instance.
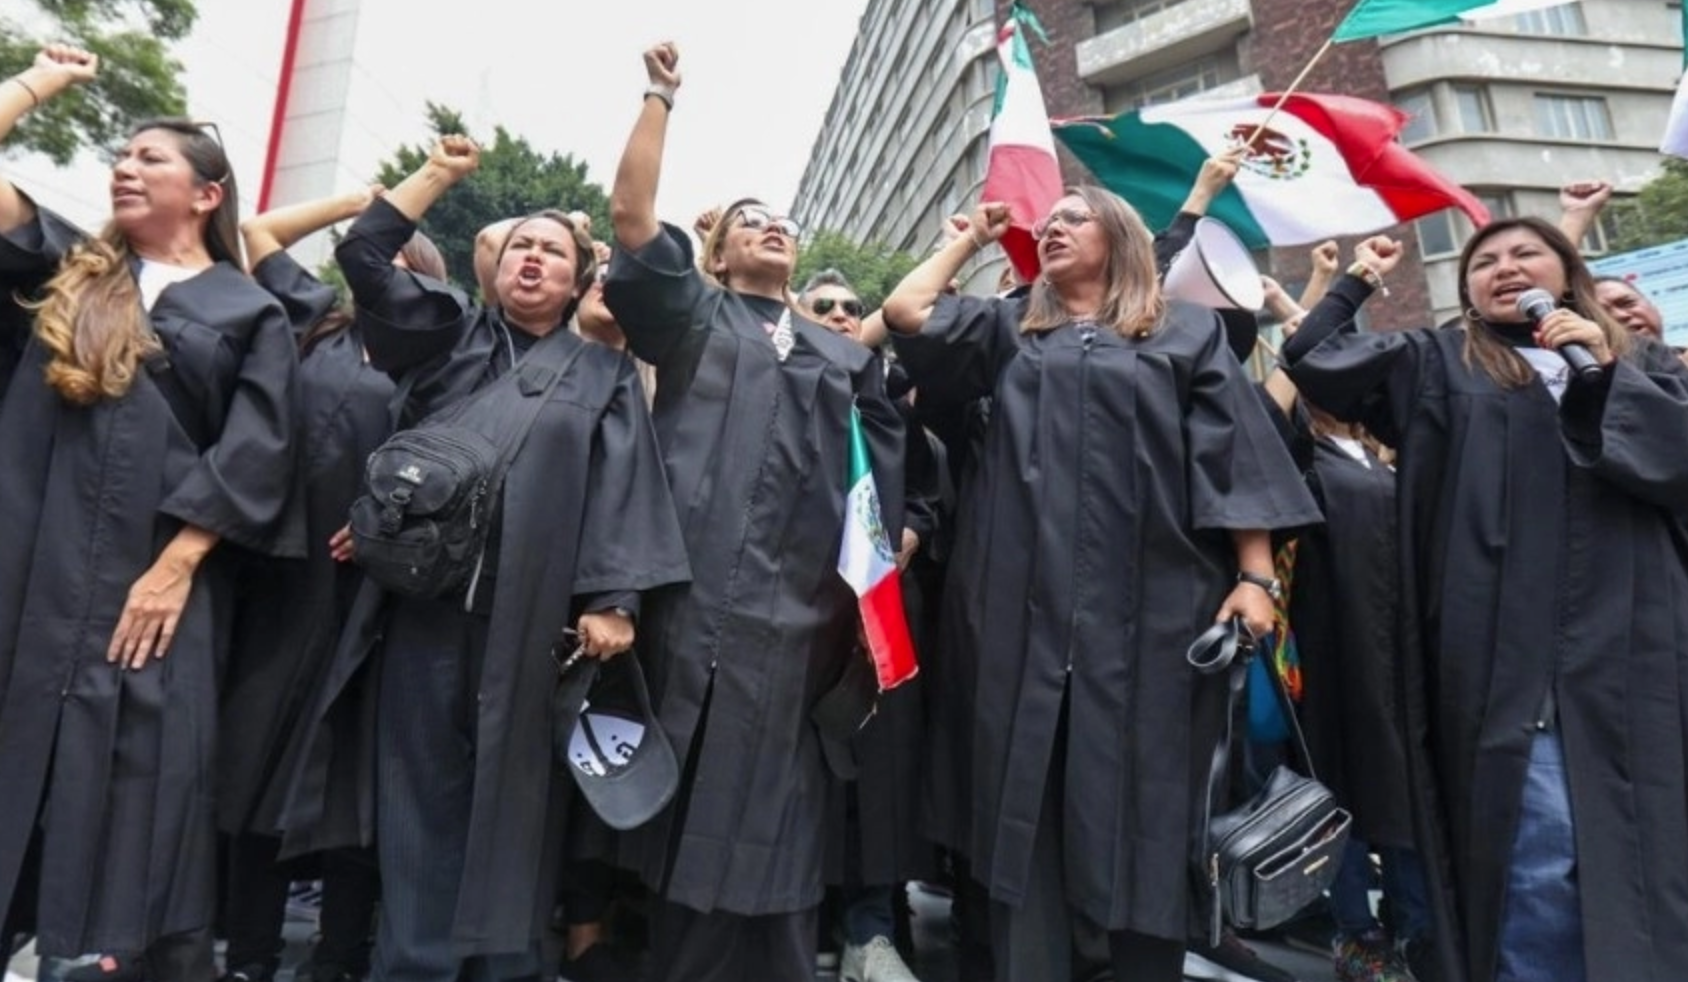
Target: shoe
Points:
(876, 961)
(598, 963)
(248, 973)
(105, 968)
(1369, 957)
(1229, 961)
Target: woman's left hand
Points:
(150, 615)
(1252, 604)
(1566, 326)
(605, 633)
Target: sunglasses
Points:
(1067, 217)
(822, 306)
(756, 219)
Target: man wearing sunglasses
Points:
(827, 298)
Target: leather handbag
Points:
(1265, 860)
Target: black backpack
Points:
(430, 491)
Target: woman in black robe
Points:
(753, 409)
(146, 439)
(1543, 621)
(1122, 502)
(457, 689)
(288, 613)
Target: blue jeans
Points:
(1403, 887)
(1541, 938)
(869, 912)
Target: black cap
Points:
(604, 731)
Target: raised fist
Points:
(74, 65)
(1380, 252)
(457, 155)
(662, 65)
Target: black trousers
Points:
(255, 908)
(1035, 941)
(690, 946)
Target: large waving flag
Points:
(1023, 172)
(1370, 18)
(1326, 165)
(1675, 140)
(866, 562)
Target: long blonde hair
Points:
(89, 317)
(1132, 303)
(1497, 360)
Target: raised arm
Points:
(1324, 257)
(57, 67)
(1580, 203)
(633, 199)
(1217, 173)
(910, 304)
(279, 228)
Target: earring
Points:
(1472, 315)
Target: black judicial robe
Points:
(1540, 551)
(756, 456)
(288, 612)
(1342, 610)
(116, 764)
(585, 511)
(1093, 546)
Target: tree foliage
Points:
(513, 179)
(138, 78)
(1656, 215)
(873, 269)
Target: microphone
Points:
(1535, 305)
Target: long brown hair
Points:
(1132, 303)
(89, 318)
(1484, 349)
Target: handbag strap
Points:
(1228, 646)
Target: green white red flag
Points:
(1023, 172)
(866, 562)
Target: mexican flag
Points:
(1023, 172)
(1326, 166)
(1675, 140)
(866, 562)
(1370, 18)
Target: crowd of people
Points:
(237, 651)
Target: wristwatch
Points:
(1273, 587)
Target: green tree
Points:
(513, 179)
(138, 78)
(873, 269)
(1658, 214)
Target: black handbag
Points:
(1265, 860)
(430, 491)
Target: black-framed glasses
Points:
(1067, 217)
(823, 306)
(757, 219)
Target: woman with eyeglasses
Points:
(448, 698)
(1121, 504)
(146, 443)
(1543, 622)
(753, 410)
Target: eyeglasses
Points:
(822, 306)
(756, 219)
(1069, 217)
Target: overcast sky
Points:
(757, 76)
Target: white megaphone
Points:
(1215, 270)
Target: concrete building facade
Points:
(1511, 107)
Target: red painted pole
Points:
(284, 87)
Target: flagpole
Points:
(1283, 97)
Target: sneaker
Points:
(876, 961)
(1229, 961)
(1369, 957)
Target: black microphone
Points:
(1536, 304)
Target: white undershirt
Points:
(1551, 366)
(155, 276)
(1352, 448)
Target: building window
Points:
(1499, 203)
(1436, 236)
(1473, 105)
(1421, 112)
(1598, 238)
(1573, 117)
(1118, 13)
(1565, 20)
(1176, 83)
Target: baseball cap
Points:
(605, 733)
